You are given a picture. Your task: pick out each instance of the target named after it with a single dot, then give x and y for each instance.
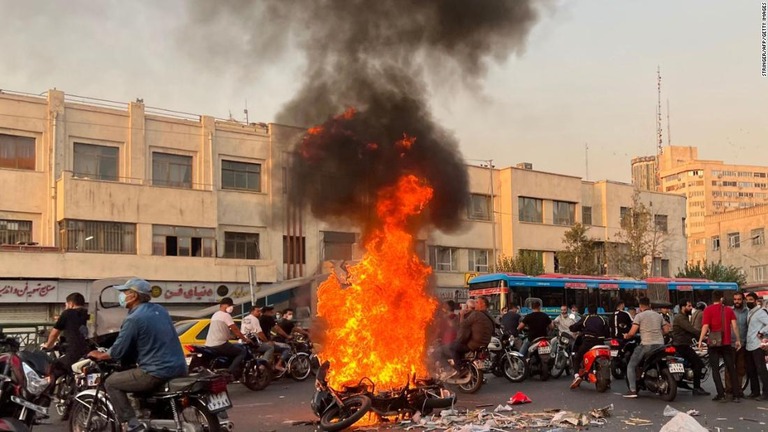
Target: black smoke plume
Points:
(373, 56)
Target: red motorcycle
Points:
(596, 367)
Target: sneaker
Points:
(630, 394)
(720, 398)
(700, 392)
(576, 382)
(752, 397)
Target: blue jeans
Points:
(285, 351)
(634, 361)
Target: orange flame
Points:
(376, 326)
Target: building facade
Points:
(198, 206)
(645, 173)
(737, 238)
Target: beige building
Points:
(197, 206)
(737, 238)
(644, 173)
(712, 187)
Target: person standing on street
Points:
(621, 321)
(682, 334)
(757, 328)
(652, 328)
(564, 321)
(697, 314)
(741, 313)
(716, 318)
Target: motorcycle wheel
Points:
(338, 418)
(515, 368)
(616, 369)
(560, 365)
(544, 369)
(197, 414)
(300, 367)
(603, 376)
(11, 424)
(671, 392)
(474, 383)
(103, 419)
(257, 376)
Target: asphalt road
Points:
(285, 402)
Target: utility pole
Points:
(659, 132)
(586, 159)
(493, 212)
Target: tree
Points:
(717, 272)
(526, 262)
(579, 254)
(639, 241)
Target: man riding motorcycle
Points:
(594, 330)
(652, 328)
(475, 332)
(682, 334)
(148, 338)
(219, 331)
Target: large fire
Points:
(376, 327)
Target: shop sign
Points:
(29, 291)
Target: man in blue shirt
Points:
(147, 338)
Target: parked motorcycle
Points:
(503, 359)
(256, 371)
(22, 383)
(339, 410)
(181, 404)
(597, 367)
(659, 372)
(560, 361)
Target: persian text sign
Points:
(28, 291)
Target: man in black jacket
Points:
(621, 321)
(683, 332)
(594, 330)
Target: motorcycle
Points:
(299, 365)
(503, 359)
(659, 372)
(561, 360)
(597, 367)
(181, 404)
(686, 381)
(256, 371)
(23, 383)
(621, 352)
(339, 410)
(537, 360)
(473, 364)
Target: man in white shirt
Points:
(252, 327)
(219, 331)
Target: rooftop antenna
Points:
(659, 131)
(246, 112)
(669, 129)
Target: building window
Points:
(15, 231)
(338, 245)
(479, 207)
(563, 213)
(96, 162)
(183, 241)
(660, 222)
(716, 243)
(586, 215)
(759, 273)
(444, 258)
(734, 240)
(17, 152)
(758, 236)
(241, 245)
(294, 250)
(171, 170)
(530, 210)
(241, 175)
(665, 268)
(623, 212)
(99, 237)
(478, 260)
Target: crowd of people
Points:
(734, 335)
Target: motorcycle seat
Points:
(601, 347)
(654, 352)
(177, 384)
(37, 360)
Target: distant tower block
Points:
(645, 173)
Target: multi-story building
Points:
(197, 206)
(712, 187)
(645, 173)
(737, 238)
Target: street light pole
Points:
(493, 212)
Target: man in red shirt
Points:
(713, 318)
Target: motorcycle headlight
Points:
(35, 384)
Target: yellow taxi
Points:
(194, 332)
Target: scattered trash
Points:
(670, 412)
(682, 422)
(503, 408)
(751, 420)
(603, 412)
(519, 398)
(692, 412)
(634, 421)
(483, 405)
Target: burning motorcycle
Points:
(23, 383)
(256, 371)
(597, 367)
(659, 372)
(339, 410)
(192, 403)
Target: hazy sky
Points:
(587, 75)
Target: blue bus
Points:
(556, 290)
(676, 290)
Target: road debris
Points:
(634, 421)
(519, 398)
(604, 412)
(682, 422)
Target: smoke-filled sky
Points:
(585, 73)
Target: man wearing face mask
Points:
(222, 325)
(757, 328)
(147, 338)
